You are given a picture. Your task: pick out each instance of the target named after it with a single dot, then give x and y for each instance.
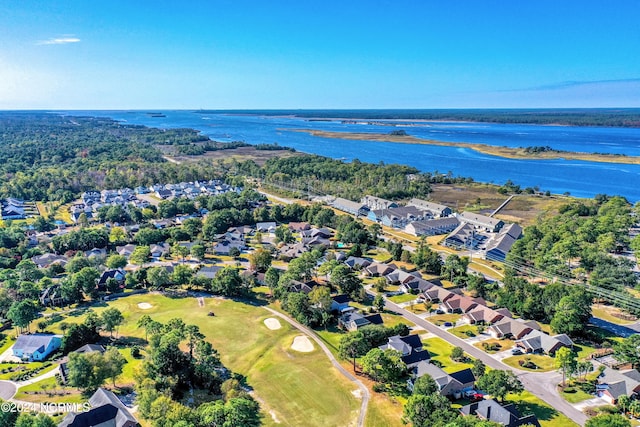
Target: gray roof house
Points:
(354, 208)
(106, 411)
(432, 227)
(488, 223)
(448, 384)
(613, 384)
(410, 347)
(36, 346)
(507, 415)
(500, 245)
(539, 342)
(435, 209)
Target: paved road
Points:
(542, 385)
(338, 366)
(7, 390)
(623, 331)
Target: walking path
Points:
(542, 385)
(363, 389)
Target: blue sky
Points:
(77, 54)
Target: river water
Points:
(579, 178)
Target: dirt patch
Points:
(357, 393)
(144, 306)
(302, 343)
(272, 323)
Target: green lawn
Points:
(439, 319)
(48, 390)
(464, 332)
(300, 388)
(607, 313)
(576, 396)
(441, 351)
(505, 344)
(545, 363)
(527, 403)
(402, 298)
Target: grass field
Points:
(439, 319)
(527, 403)
(464, 332)
(504, 344)
(545, 363)
(608, 313)
(441, 351)
(297, 388)
(399, 299)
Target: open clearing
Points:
(299, 388)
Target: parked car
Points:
(469, 393)
(438, 311)
(516, 351)
(476, 397)
(447, 324)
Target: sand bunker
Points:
(272, 323)
(144, 306)
(302, 343)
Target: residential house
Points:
(464, 236)
(266, 227)
(432, 227)
(612, 384)
(512, 328)
(96, 252)
(117, 274)
(438, 294)
(292, 251)
(209, 271)
(36, 347)
(87, 348)
(357, 263)
(448, 384)
(397, 217)
(106, 411)
(436, 209)
(224, 247)
(499, 246)
(323, 233)
(354, 208)
(483, 315)
(507, 415)
(45, 260)
(125, 250)
(298, 227)
(51, 296)
(484, 222)
(159, 250)
(539, 342)
(373, 203)
(340, 304)
(163, 194)
(297, 286)
(461, 304)
(378, 269)
(410, 347)
(352, 320)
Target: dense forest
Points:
(53, 157)
(618, 117)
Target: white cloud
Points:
(60, 40)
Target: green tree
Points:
(499, 383)
(428, 410)
(628, 350)
(260, 260)
(87, 280)
(608, 420)
(158, 277)
(22, 313)
(378, 303)
(193, 335)
(140, 255)
(478, 368)
(352, 345)
(179, 251)
(271, 278)
(565, 360)
(572, 314)
(111, 319)
(198, 252)
(114, 362)
(33, 420)
(457, 354)
(87, 371)
(425, 385)
(116, 261)
(182, 274)
(383, 365)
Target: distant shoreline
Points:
(493, 150)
